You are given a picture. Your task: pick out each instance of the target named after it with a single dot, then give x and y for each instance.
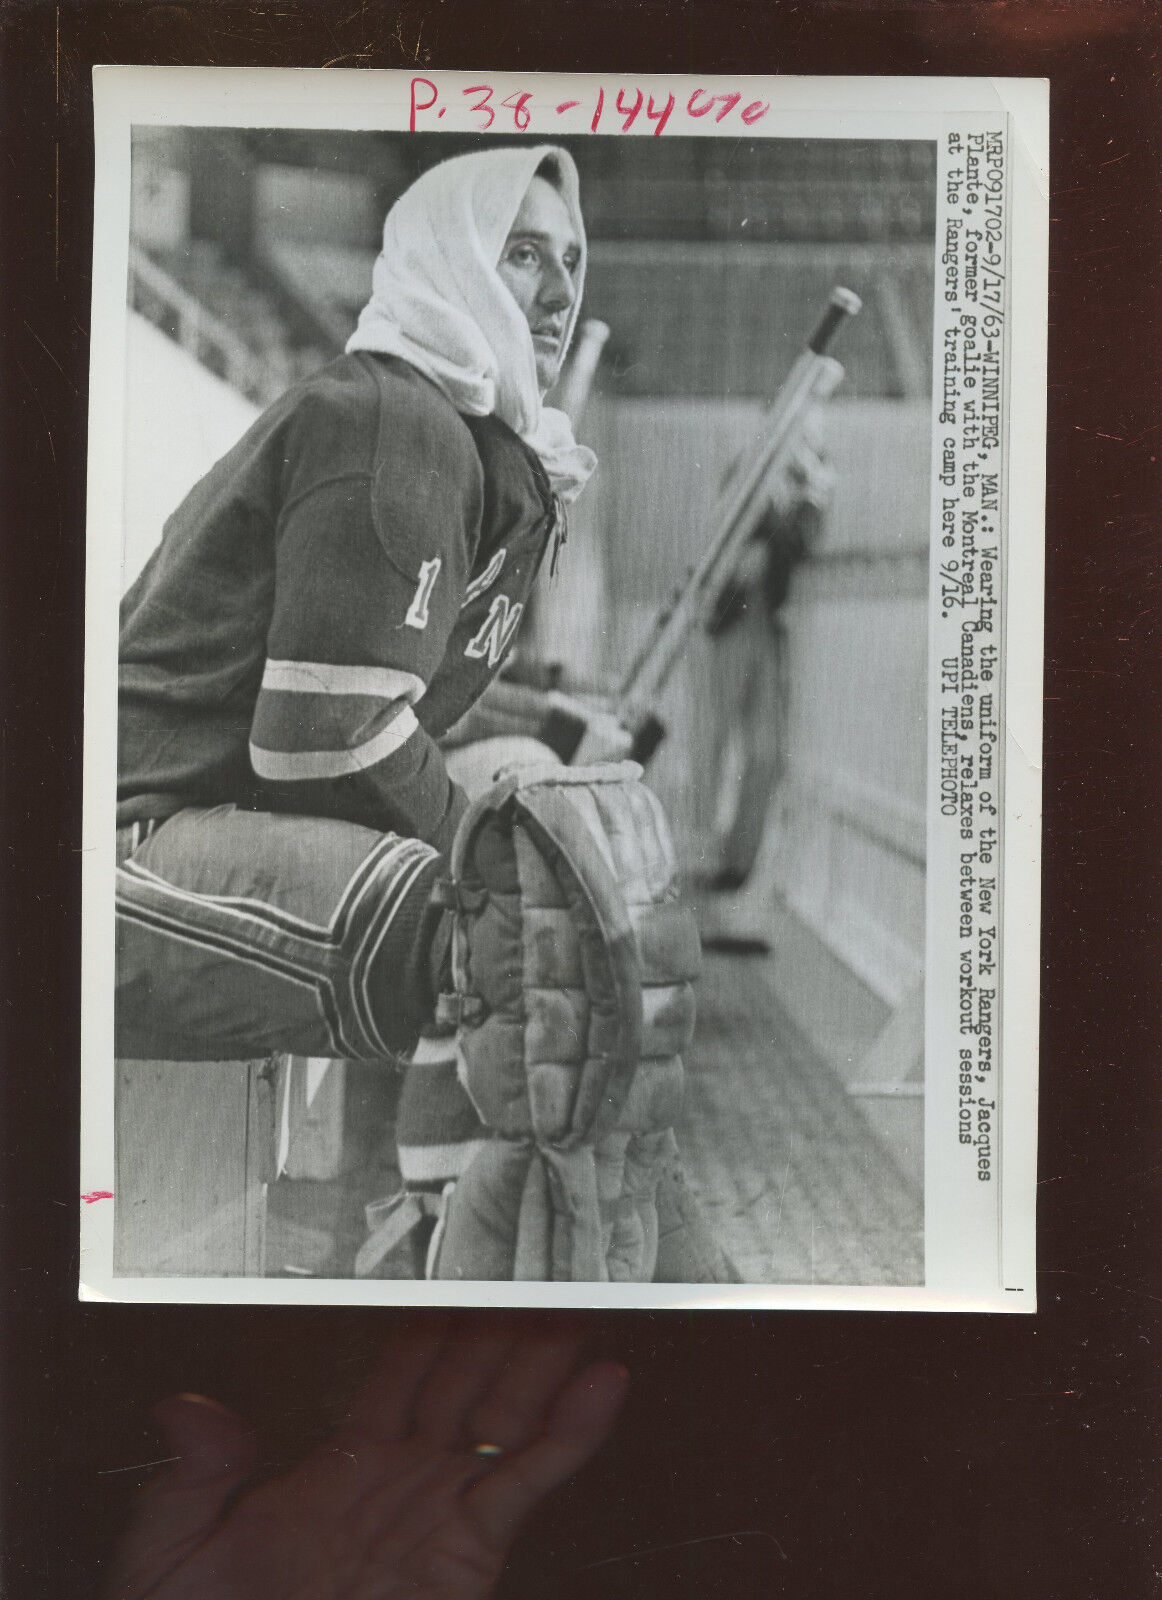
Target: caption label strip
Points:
(970, 330)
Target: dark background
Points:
(854, 1454)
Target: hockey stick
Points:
(813, 377)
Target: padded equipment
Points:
(573, 967)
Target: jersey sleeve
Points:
(370, 572)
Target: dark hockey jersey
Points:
(326, 602)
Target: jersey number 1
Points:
(417, 616)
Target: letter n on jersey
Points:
(495, 633)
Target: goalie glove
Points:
(573, 966)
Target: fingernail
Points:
(204, 1400)
(611, 1369)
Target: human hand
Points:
(397, 1503)
(810, 476)
(603, 737)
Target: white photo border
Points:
(980, 1245)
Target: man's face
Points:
(539, 266)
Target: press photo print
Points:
(563, 690)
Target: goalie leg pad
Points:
(487, 1213)
(573, 965)
(688, 1251)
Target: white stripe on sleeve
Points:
(294, 766)
(321, 677)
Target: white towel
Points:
(438, 301)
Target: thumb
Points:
(213, 1446)
(213, 1451)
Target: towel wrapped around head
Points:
(439, 303)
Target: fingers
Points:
(385, 1406)
(214, 1446)
(216, 1450)
(604, 739)
(579, 1423)
(464, 1373)
(491, 1387)
(512, 1412)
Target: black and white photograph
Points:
(557, 851)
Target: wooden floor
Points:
(792, 1178)
(794, 1182)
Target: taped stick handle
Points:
(843, 303)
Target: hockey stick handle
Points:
(573, 391)
(813, 376)
(843, 303)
